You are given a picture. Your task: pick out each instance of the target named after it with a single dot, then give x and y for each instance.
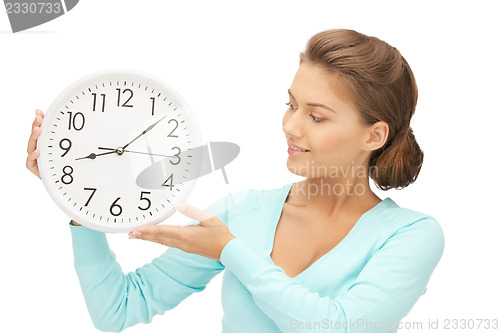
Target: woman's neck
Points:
(331, 197)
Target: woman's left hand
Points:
(206, 239)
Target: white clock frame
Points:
(52, 179)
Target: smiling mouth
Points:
(297, 148)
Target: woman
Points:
(322, 254)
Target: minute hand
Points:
(145, 131)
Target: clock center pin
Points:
(120, 150)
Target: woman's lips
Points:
(296, 146)
(293, 152)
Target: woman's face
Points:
(323, 121)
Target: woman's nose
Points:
(293, 124)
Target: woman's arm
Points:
(116, 300)
(383, 293)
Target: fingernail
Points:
(34, 129)
(132, 237)
(35, 152)
(137, 233)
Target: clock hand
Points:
(145, 131)
(121, 150)
(139, 152)
(92, 156)
(135, 152)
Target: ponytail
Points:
(397, 164)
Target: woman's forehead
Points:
(314, 84)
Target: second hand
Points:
(134, 152)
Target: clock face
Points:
(101, 133)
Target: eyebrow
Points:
(314, 104)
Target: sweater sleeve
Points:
(116, 300)
(384, 292)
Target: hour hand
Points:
(92, 156)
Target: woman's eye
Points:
(293, 107)
(316, 119)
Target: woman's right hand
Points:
(33, 153)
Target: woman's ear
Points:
(377, 135)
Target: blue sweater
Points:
(367, 283)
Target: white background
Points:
(233, 62)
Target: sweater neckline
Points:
(278, 210)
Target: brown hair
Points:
(382, 87)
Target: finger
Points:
(35, 134)
(36, 122)
(32, 164)
(166, 235)
(39, 112)
(193, 212)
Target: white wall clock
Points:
(105, 129)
